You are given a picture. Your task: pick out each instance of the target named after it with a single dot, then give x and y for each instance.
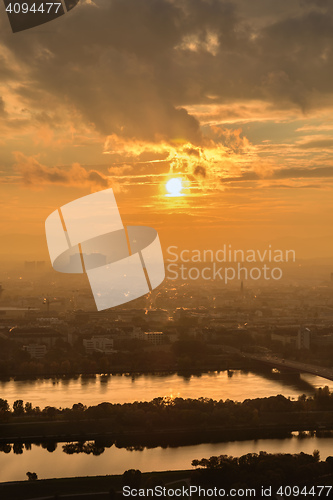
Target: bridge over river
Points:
(291, 366)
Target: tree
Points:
(132, 478)
(50, 411)
(4, 406)
(6, 448)
(28, 408)
(329, 461)
(4, 409)
(51, 446)
(32, 476)
(79, 407)
(18, 407)
(18, 448)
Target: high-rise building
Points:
(303, 338)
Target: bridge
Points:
(294, 366)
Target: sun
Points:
(174, 187)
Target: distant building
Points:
(157, 315)
(9, 313)
(50, 321)
(322, 339)
(155, 338)
(303, 338)
(194, 332)
(172, 334)
(298, 337)
(35, 335)
(286, 335)
(36, 351)
(127, 315)
(98, 344)
(136, 333)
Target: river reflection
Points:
(53, 462)
(237, 385)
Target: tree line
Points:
(176, 412)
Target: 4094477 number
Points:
(296, 491)
(35, 8)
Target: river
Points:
(236, 385)
(113, 460)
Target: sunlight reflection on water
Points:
(236, 385)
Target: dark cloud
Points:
(199, 170)
(33, 173)
(2, 107)
(246, 176)
(283, 173)
(192, 152)
(317, 3)
(131, 68)
(97, 178)
(303, 173)
(287, 186)
(316, 144)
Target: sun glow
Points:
(174, 187)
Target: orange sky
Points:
(234, 98)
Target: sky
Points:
(235, 98)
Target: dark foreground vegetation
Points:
(166, 421)
(263, 469)
(300, 472)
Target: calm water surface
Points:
(237, 385)
(116, 461)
